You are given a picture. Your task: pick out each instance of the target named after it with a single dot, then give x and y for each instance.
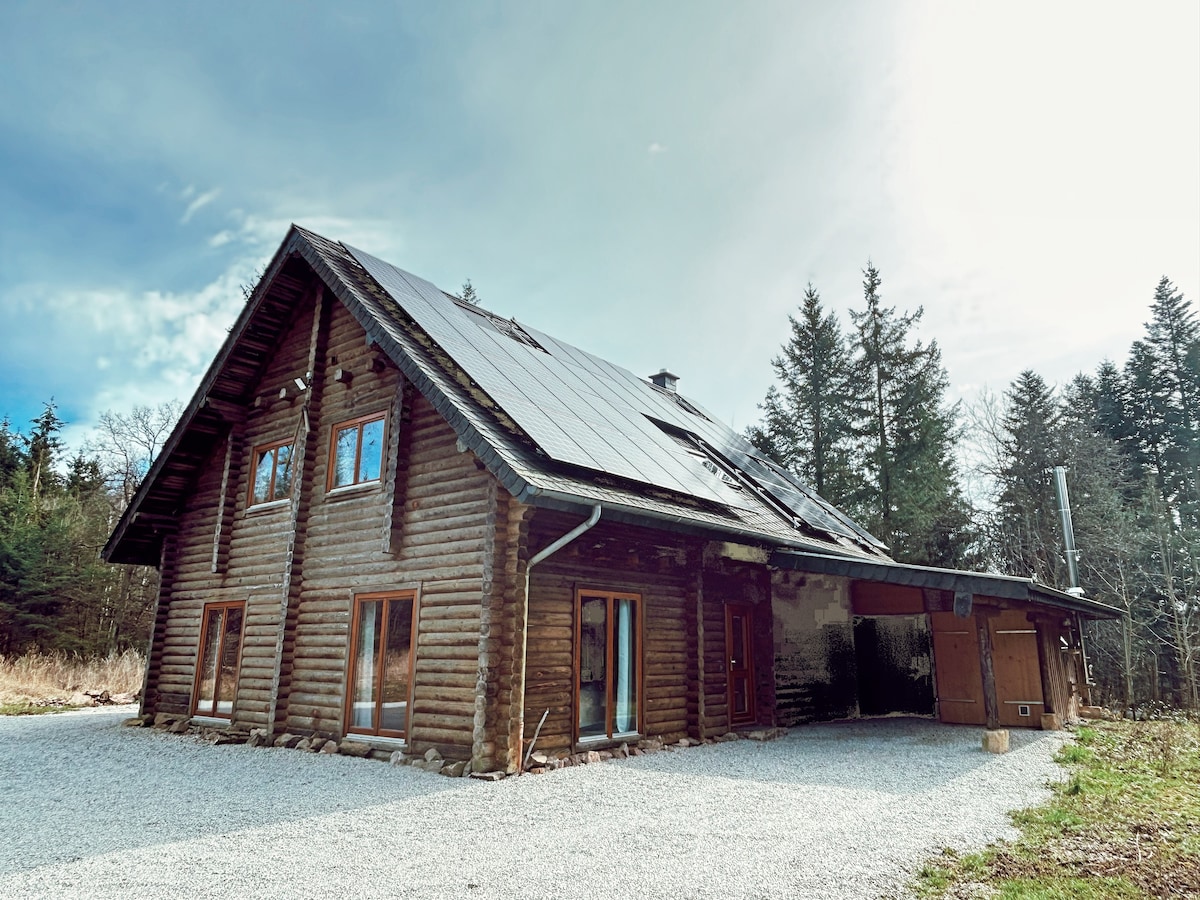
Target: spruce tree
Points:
(906, 434)
(806, 423)
(468, 294)
(1168, 365)
(1025, 536)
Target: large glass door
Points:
(217, 663)
(607, 664)
(381, 665)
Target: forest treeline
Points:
(860, 411)
(57, 508)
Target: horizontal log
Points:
(442, 737)
(449, 694)
(427, 652)
(464, 666)
(430, 614)
(467, 639)
(328, 702)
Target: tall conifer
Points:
(906, 434)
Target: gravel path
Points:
(90, 809)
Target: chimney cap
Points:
(665, 380)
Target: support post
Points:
(995, 738)
(1051, 714)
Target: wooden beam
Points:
(987, 668)
(233, 413)
(156, 520)
(303, 465)
(1043, 639)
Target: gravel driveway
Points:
(90, 809)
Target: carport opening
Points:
(894, 655)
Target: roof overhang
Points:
(649, 518)
(1006, 587)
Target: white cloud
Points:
(199, 203)
(656, 148)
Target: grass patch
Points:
(29, 708)
(37, 681)
(1125, 824)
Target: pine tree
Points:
(1025, 535)
(43, 448)
(907, 435)
(468, 294)
(1168, 363)
(806, 423)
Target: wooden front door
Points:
(739, 651)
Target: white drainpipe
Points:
(537, 558)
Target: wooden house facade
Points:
(391, 515)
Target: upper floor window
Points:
(272, 473)
(356, 451)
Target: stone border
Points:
(432, 760)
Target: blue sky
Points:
(653, 182)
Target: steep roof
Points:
(557, 426)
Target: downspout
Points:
(534, 560)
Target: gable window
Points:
(608, 664)
(217, 662)
(272, 473)
(356, 451)
(381, 658)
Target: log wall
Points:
(728, 582)
(610, 557)
(422, 526)
(435, 522)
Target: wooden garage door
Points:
(1018, 678)
(956, 662)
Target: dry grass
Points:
(48, 679)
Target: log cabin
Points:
(390, 514)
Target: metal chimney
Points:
(665, 380)
(1064, 517)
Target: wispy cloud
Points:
(656, 148)
(197, 203)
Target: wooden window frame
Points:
(237, 671)
(610, 734)
(357, 422)
(352, 662)
(259, 451)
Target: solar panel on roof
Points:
(585, 411)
